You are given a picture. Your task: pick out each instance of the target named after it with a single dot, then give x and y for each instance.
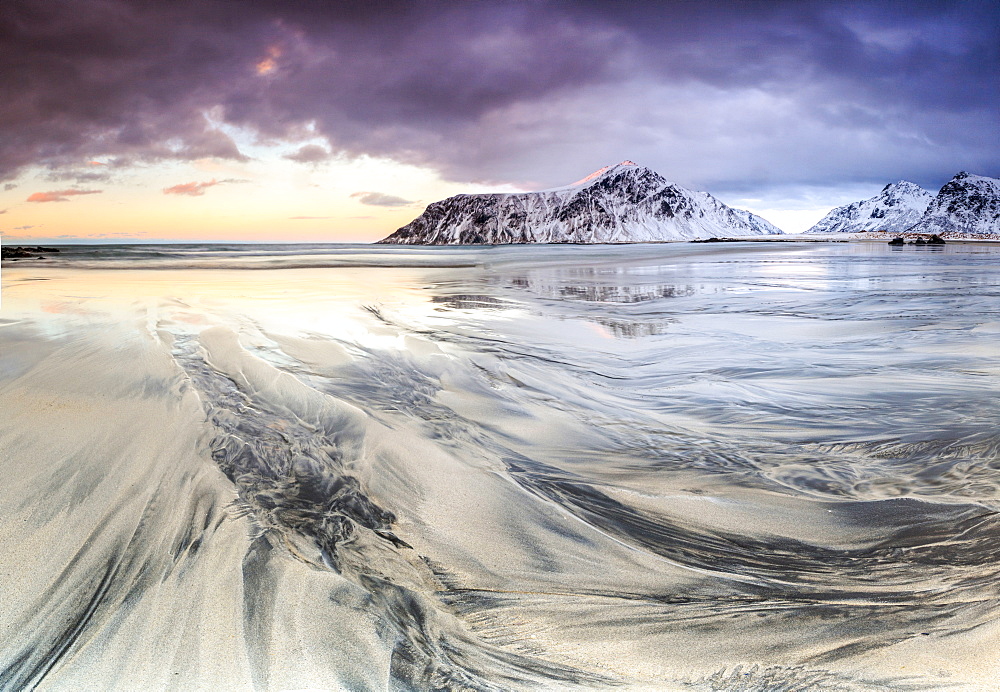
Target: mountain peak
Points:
(601, 171)
(898, 206)
(968, 203)
(903, 187)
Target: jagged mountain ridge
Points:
(625, 203)
(897, 207)
(967, 204)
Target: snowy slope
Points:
(760, 225)
(966, 204)
(625, 203)
(896, 208)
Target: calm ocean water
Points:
(747, 466)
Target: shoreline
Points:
(867, 237)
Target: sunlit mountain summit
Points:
(624, 203)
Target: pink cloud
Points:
(270, 63)
(59, 195)
(191, 189)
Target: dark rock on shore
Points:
(26, 252)
(935, 239)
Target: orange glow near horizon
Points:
(149, 218)
(265, 198)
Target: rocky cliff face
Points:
(896, 208)
(625, 203)
(967, 204)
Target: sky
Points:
(317, 121)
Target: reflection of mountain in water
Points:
(623, 294)
(640, 315)
(471, 302)
(549, 286)
(634, 329)
(596, 286)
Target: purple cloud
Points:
(722, 96)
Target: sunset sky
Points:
(289, 120)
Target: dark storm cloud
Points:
(92, 77)
(712, 94)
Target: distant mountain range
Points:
(629, 203)
(966, 205)
(625, 203)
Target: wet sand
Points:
(748, 468)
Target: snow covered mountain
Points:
(625, 203)
(966, 204)
(896, 208)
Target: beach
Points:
(746, 466)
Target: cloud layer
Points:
(381, 199)
(193, 189)
(59, 195)
(734, 96)
(309, 153)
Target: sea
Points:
(749, 466)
